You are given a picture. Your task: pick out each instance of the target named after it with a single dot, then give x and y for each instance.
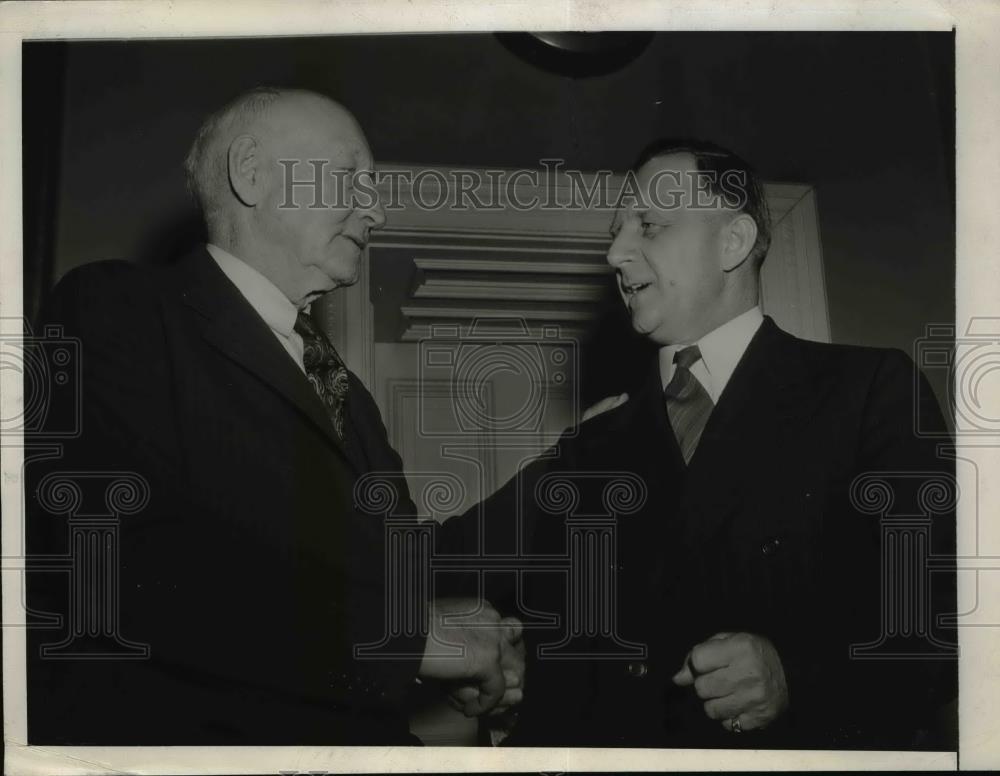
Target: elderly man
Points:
(249, 577)
(749, 573)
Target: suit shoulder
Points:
(105, 270)
(856, 360)
(105, 280)
(102, 294)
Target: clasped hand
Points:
(739, 676)
(477, 654)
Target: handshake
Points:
(477, 655)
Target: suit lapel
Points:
(637, 438)
(231, 325)
(765, 399)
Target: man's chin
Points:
(344, 273)
(349, 278)
(643, 327)
(654, 332)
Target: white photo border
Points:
(977, 25)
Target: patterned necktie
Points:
(325, 370)
(688, 403)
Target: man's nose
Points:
(374, 215)
(622, 248)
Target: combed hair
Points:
(713, 158)
(207, 165)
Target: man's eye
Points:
(649, 228)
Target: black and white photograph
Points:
(603, 393)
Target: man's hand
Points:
(471, 648)
(512, 663)
(740, 678)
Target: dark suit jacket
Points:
(759, 535)
(249, 574)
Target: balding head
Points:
(206, 165)
(264, 112)
(240, 168)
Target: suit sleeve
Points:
(895, 692)
(507, 523)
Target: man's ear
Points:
(738, 238)
(245, 171)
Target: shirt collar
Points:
(265, 297)
(721, 350)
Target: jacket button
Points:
(770, 547)
(638, 670)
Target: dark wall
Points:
(867, 118)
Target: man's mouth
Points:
(359, 241)
(631, 289)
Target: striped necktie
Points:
(325, 370)
(688, 403)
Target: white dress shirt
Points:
(721, 350)
(266, 298)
